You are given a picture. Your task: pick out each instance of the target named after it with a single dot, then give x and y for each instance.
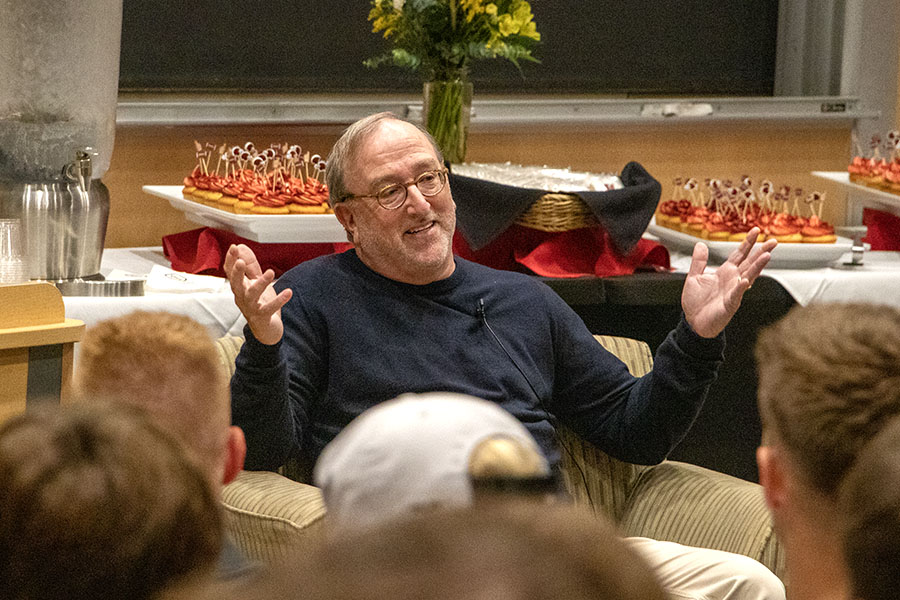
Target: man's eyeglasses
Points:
(429, 183)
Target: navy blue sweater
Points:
(354, 338)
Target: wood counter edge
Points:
(68, 331)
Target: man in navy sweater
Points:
(399, 313)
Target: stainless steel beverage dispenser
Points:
(59, 68)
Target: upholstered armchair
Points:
(671, 501)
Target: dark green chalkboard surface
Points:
(664, 47)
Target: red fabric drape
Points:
(883, 229)
(203, 251)
(576, 253)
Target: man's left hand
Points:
(709, 300)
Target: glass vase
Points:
(447, 108)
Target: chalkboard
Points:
(701, 47)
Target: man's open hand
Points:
(254, 293)
(709, 300)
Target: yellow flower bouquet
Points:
(439, 38)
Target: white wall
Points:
(870, 65)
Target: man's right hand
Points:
(254, 294)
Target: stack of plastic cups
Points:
(13, 267)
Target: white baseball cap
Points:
(410, 453)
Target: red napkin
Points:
(883, 229)
(203, 251)
(576, 253)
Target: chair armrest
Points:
(593, 478)
(691, 505)
(266, 513)
(228, 347)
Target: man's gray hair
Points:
(344, 152)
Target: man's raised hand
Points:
(709, 300)
(254, 293)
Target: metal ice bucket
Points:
(64, 221)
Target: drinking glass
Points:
(13, 268)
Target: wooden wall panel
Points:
(785, 154)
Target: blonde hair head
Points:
(166, 364)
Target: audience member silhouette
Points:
(828, 383)
(422, 451)
(870, 506)
(167, 364)
(514, 551)
(97, 502)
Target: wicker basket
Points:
(558, 212)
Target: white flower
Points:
(398, 4)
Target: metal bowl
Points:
(94, 287)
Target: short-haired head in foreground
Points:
(98, 502)
(166, 364)
(829, 379)
(415, 452)
(870, 507)
(513, 551)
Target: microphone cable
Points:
(482, 316)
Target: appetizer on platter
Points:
(726, 212)
(278, 180)
(877, 170)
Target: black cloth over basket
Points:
(485, 209)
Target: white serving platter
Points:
(785, 256)
(843, 178)
(257, 228)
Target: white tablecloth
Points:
(215, 310)
(876, 280)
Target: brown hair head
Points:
(510, 551)
(829, 379)
(98, 502)
(870, 506)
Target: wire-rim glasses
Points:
(391, 197)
